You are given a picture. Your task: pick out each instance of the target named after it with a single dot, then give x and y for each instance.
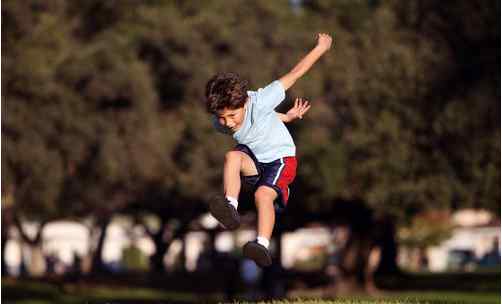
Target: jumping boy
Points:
(265, 154)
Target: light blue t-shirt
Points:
(262, 130)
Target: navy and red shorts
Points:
(277, 175)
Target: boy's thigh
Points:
(278, 175)
(248, 166)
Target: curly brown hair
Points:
(225, 90)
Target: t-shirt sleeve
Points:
(218, 126)
(270, 96)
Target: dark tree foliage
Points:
(102, 105)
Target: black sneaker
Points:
(225, 213)
(258, 253)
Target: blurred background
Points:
(109, 158)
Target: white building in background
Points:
(475, 232)
(65, 239)
(300, 244)
(62, 238)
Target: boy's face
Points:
(231, 118)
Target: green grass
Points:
(405, 297)
(38, 293)
(431, 297)
(450, 297)
(28, 292)
(435, 297)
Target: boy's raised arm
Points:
(323, 45)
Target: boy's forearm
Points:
(308, 61)
(302, 67)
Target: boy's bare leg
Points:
(264, 200)
(258, 250)
(236, 162)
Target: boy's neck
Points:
(245, 112)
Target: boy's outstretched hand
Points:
(324, 41)
(300, 107)
(323, 44)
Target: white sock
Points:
(233, 201)
(263, 241)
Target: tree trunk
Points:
(353, 266)
(358, 254)
(374, 260)
(368, 247)
(6, 225)
(5, 238)
(414, 259)
(23, 271)
(423, 260)
(97, 265)
(161, 246)
(386, 240)
(7, 216)
(36, 265)
(162, 240)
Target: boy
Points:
(265, 154)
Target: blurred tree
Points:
(7, 224)
(379, 143)
(101, 110)
(39, 128)
(426, 229)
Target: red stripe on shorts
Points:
(287, 176)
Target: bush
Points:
(133, 259)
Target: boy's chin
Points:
(230, 130)
(233, 130)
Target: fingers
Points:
(302, 106)
(323, 35)
(324, 39)
(305, 110)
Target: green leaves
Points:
(104, 100)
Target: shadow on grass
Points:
(21, 291)
(198, 288)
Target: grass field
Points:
(44, 293)
(402, 299)
(435, 297)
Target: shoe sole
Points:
(224, 213)
(258, 254)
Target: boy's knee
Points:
(265, 193)
(233, 155)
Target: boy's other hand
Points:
(324, 41)
(300, 107)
